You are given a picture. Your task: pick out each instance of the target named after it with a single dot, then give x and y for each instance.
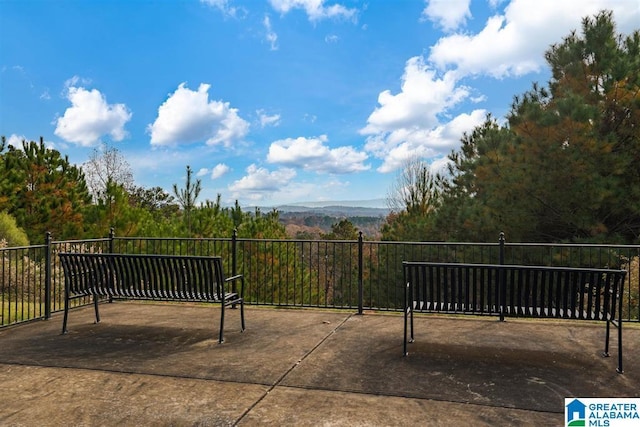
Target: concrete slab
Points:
(160, 364)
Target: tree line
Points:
(40, 191)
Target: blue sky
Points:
(275, 101)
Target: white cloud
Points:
(396, 146)
(268, 120)
(331, 38)
(271, 35)
(226, 8)
(219, 170)
(424, 94)
(449, 14)
(90, 117)
(188, 116)
(259, 182)
(411, 122)
(316, 9)
(202, 172)
(16, 140)
(312, 154)
(513, 43)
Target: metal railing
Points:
(342, 274)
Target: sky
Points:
(273, 102)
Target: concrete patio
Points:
(160, 364)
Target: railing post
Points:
(501, 278)
(112, 236)
(234, 244)
(47, 276)
(360, 268)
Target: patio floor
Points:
(160, 364)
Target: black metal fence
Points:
(350, 274)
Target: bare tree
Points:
(107, 166)
(415, 188)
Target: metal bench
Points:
(514, 290)
(149, 277)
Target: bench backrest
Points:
(143, 276)
(515, 290)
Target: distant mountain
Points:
(312, 219)
(336, 210)
(332, 205)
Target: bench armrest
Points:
(235, 278)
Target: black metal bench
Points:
(514, 290)
(149, 277)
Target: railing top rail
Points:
(16, 248)
(575, 245)
(137, 256)
(194, 239)
(512, 267)
(61, 242)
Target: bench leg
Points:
(66, 315)
(605, 353)
(404, 348)
(221, 335)
(242, 315)
(619, 370)
(408, 312)
(95, 305)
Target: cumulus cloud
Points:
(259, 182)
(90, 117)
(448, 14)
(396, 146)
(316, 10)
(513, 43)
(189, 116)
(312, 154)
(424, 94)
(16, 140)
(219, 170)
(268, 120)
(411, 122)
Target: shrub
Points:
(10, 233)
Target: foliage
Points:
(187, 197)
(10, 233)
(342, 230)
(42, 190)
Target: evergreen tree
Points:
(187, 197)
(565, 166)
(43, 191)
